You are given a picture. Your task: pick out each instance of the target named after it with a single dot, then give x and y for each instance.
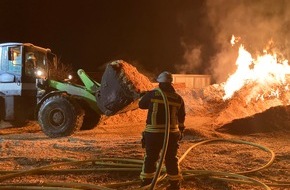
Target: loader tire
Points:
(60, 116)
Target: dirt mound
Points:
(271, 120)
(252, 99)
(132, 116)
(203, 102)
(259, 105)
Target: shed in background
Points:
(192, 81)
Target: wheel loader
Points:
(28, 91)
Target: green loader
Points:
(29, 91)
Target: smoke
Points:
(195, 37)
(192, 59)
(207, 47)
(256, 22)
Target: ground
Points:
(246, 140)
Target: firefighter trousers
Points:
(153, 145)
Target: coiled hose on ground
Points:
(133, 165)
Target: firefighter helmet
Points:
(165, 77)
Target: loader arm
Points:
(118, 91)
(79, 91)
(89, 83)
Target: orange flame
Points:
(234, 40)
(265, 71)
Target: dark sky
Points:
(181, 36)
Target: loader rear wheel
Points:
(60, 116)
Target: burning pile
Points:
(260, 83)
(256, 96)
(267, 73)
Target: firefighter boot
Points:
(146, 181)
(174, 185)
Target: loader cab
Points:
(22, 66)
(35, 65)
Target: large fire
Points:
(265, 71)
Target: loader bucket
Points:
(120, 89)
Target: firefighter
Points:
(154, 132)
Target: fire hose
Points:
(134, 165)
(165, 141)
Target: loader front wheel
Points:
(60, 116)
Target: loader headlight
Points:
(40, 74)
(69, 77)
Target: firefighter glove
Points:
(143, 140)
(181, 130)
(143, 93)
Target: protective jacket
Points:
(156, 117)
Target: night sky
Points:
(181, 36)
